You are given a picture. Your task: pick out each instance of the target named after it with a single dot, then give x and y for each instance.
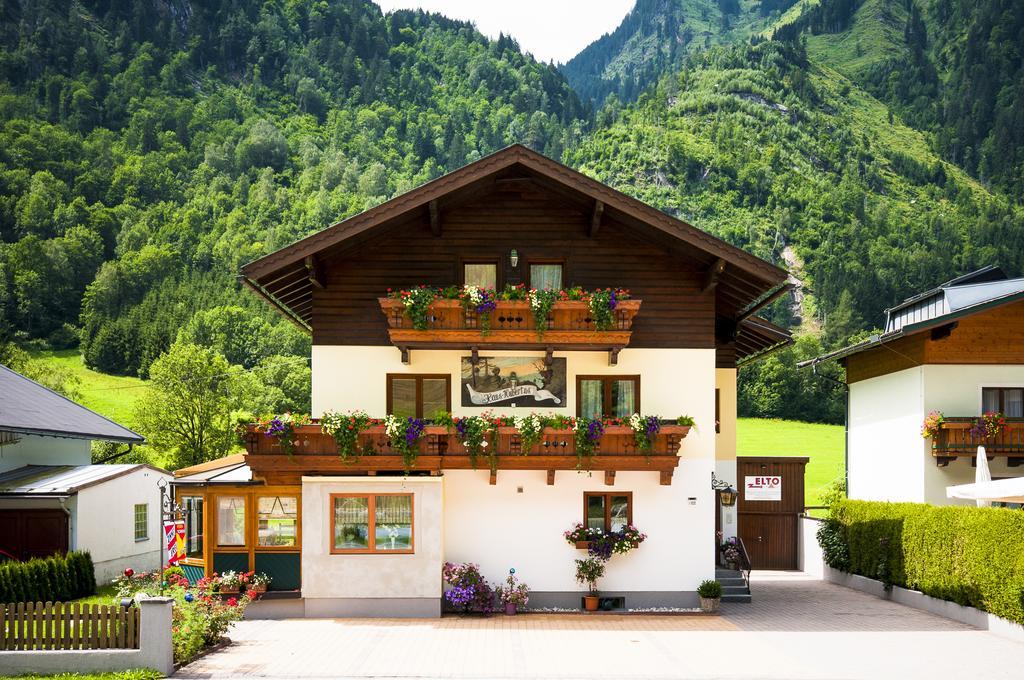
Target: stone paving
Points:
(797, 628)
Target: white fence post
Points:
(156, 650)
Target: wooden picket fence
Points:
(68, 625)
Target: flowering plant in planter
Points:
(645, 429)
(482, 302)
(586, 434)
(588, 571)
(541, 302)
(469, 591)
(344, 428)
(989, 425)
(513, 592)
(417, 304)
(405, 434)
(230, 582)
(603, 545)
(282, 427)
(603, 302)
(932, 424)
(260, 582)
(531, 430)
(473, 432)
(686, 421)
(730, 550)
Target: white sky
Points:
(549, 29)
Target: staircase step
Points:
(727, 573)
(732, 581)
(727, 597)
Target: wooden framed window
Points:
(192, 509)
(141, 521)
(277, 521)
(607, 511)
(372, 523)
(546, 275)
(419, 395)
(608, 396)
(1007, 400)
(231, 521)
(483, 272)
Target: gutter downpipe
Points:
(846, 425)
(71, 527)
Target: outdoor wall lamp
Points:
(726, 493)
(513, 258)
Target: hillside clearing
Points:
(112, 396)
(823, 444)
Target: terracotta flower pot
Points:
(260, 588)
(590, 602)
(710, 604)
(229, 590)
(510, 609)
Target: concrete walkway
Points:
(797, 628)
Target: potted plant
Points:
(710, 594)
(731, 553)
(588, 571)
(230, 582)
(513, 594)
(259, 582)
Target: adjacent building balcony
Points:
(511, 325)
(440, 449)
(958, 438)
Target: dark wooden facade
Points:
(769, 528)
(697, 291)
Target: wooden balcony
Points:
(955, 440)
(439, 449)
(512, 326)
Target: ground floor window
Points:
(192, 509)
(231, 521)
(141, 521)
(277, 521)
(371, 523)
(418, 396)
(607, 511)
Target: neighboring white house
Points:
(52, 499)
(511, 219)
(957, 349)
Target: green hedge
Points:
(60, 578)
(971, 556)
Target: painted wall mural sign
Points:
(513, 381)
(763, 488)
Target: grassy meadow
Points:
(112, 396)
(823, 444)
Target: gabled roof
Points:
(61, 480)
(285, 278)
(26, 407)
(963, 296)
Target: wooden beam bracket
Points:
(595, 219)
(551, 477)
(493, 478)
(665, 477)
(549, 356)
(435, 218)
(474, 355)
(405, 355)
(712, 274)
(313, 270)
(613, 356)
(609, 477)
(944, 461)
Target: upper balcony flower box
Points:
(959, 437)
(511, 324)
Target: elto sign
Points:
(763, 488)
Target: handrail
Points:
(744, 559)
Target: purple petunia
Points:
(413, 432)
(595, 428)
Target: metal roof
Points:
(27, 407)
(938, 307)
(61, 480)
(233, 473)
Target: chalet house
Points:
(956, 350)
(53, 499)
(368, 534)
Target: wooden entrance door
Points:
(33, 533)
(770, 502)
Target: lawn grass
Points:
(823, 444)
(135, 674)
(105, 594)
(112, 396)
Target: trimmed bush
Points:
(60, 578)
(971, 556)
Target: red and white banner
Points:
(762, 488)
(174, 541)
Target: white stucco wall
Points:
(956, 391)
(498, 527)
(36, 450)
(105, 523)
(726, 442)
(333, 585)
(887, 452)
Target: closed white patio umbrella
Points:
(1001, 491)
(982, 474)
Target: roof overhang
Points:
(43, 432)
(286, 278)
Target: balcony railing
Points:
(440, 449)
(956, 440)
(511, 325)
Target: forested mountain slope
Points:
(148, 149)
(657, 36)
(785, 157)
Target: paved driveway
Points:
(797, 628)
